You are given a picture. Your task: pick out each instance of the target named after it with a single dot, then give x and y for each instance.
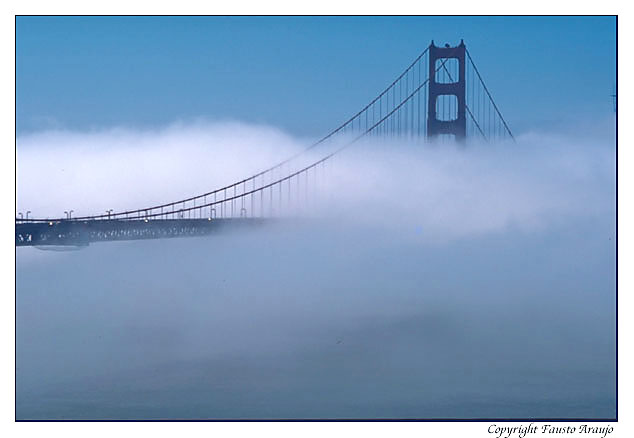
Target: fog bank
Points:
(433, 281)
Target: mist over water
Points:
(421, 281)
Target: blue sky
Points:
(301, 74)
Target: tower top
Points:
(447, 45)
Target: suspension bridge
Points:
(440, 95)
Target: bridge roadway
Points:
(81, 233)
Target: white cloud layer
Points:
(441, 190)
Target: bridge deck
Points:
(81, 233)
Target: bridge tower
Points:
(437, 57)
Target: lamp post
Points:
(109, 211)
(27, 214)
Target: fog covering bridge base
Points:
(82, 233)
